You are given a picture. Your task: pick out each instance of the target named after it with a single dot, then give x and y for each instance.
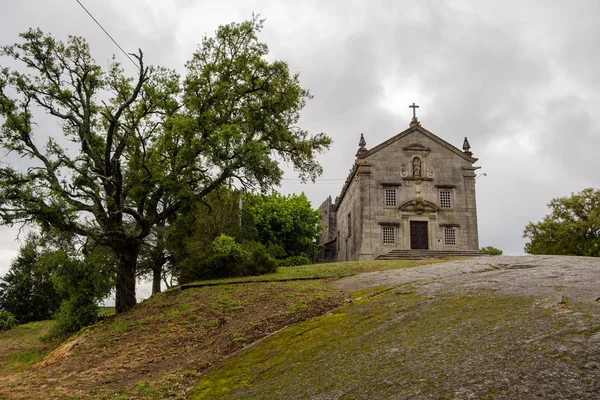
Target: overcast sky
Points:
(520, 79)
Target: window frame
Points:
(449, 236)
(394, 195)
(449, 199)
(389, 228)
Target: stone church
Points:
(413, 193)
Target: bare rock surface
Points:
(575, 277)
(496, 327)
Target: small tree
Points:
(571, 228)
(27, 290)
(288, 221)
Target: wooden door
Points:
(419, 235)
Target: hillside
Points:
(493, 327)
(164, 344)
(490, 327)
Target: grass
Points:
(22, 346)
(159, 348)
(106, 311)
(312, 271)
(25, 358)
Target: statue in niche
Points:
(416, 167)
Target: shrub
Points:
(83, 282)
(491, 251)
(226, 258)
(73, 315)
(294, 261)
(256, 260)
(276, 250)
(7, 321)
(226, 245)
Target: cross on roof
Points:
(414, 107)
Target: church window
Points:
(349, 224)
(445, 199)
(390, 197)
(389, 235)
(338, 241)
(450, 236)
(416, 162)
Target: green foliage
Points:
(571, 228)
(27, 290)
(225, 245)
(227, 258)
(287, 221)
(491, 251)
(276, 251)
(191, 235)
(293, 261)
(83, 282)
(72, 316)
(7, 321)
(256, 260)
(247, 107)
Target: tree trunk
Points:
(156, 278)
(157, 254)
(125, 290)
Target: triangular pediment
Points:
(417, 146)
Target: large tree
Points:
(571, 228)
(144, 146)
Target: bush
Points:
(294, 261)
(83, 283)
(226, 245)
(276, 251)
(226, 259)
(491, 251)
(72, 316)
(7, 321)
(256, 260)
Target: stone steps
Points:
(424, 254)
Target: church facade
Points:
(414, 191)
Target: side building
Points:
(414, 191)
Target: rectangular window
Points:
(390, 197)
(450, 237)
(445, 199)
(389, 235)
(349, 224)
